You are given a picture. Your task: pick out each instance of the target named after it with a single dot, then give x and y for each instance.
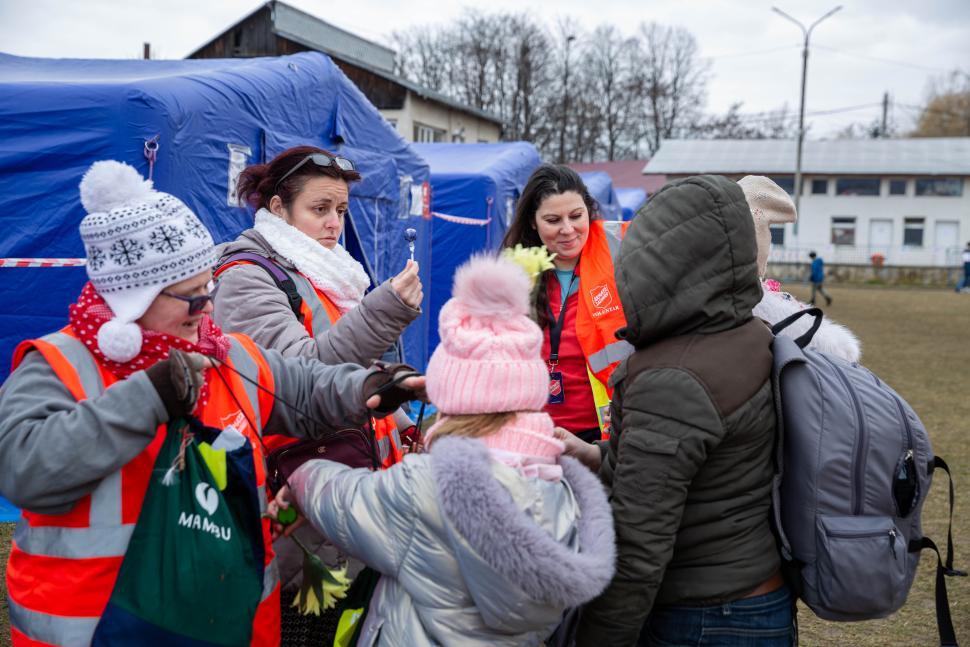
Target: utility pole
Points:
(884, 129)
(565, 103)
(801, 108)
(146, 51)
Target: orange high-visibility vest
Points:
(62, 567)
(600, 313)
(320, 313)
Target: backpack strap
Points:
(281, 278)
(944, 622)
(805, 339)
(785, 353)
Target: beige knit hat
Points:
(770, 205)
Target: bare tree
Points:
(947, 109)
(671, 81)
(775, 124)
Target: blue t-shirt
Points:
(565, 276)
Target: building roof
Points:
(923, 156)
(312, 32)
(625, 174)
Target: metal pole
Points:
(807, 33)
(565, 104)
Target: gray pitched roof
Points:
(924, 156)
(319, 35)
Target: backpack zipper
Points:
(862, 446)
(891, 534)
(910, 446)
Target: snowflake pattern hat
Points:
(138, 241)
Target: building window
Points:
(897, 187)
(843, 230)
(392, 122)
(939, 186)
(857, 186)
(913, 231)
(820, 187)
(427, 134)
(778, 236)
(786, 182)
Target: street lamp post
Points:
(565, 104)
(807, 33)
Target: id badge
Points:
(556, 392)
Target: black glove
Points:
(178, 380)
(386, 382)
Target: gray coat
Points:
(471, 553)
(54, 450)
(248, 301)
(690, 463)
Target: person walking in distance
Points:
(965, 281)
(817, 277)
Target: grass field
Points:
(919, 342)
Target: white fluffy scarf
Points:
(333, 271)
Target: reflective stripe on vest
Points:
(62, 568)
(600, 312)
(323, 312)
(53, 630)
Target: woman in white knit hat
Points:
(84, 413)
(771, 205)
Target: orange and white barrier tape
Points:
(42, 262)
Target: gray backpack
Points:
(853, 467)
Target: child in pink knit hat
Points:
(487, 377)
(492, 534)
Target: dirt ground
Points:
(919, 342)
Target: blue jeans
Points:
(761, 621)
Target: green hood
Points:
(688, 262)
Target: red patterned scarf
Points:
(91, 312)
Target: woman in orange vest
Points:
(291, 286)
(84, 413)
(576, 303)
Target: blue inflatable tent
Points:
(630, 201)
(600, 186)
(474, 188)
(210, 119)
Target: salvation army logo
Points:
(555, 387)
(207, 497)
(601, 296)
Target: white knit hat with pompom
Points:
(138, 241)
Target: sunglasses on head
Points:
(321, 160)
(196, 304)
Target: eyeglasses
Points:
(321, 160)
(196, 304)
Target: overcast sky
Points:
(869, 47)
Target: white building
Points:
(906, 199)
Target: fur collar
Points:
(483, 512)
(832, 338)
(333, 271)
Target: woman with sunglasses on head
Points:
(576, 303)
(291, 286)
(86, 412)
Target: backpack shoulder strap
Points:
(944, 622)
(281, 278)
(785, 353)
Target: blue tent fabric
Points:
(477, 181)
(600, 186)
(630, 201)
(57, 116)
(8, 511)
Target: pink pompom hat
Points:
(488, 360)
